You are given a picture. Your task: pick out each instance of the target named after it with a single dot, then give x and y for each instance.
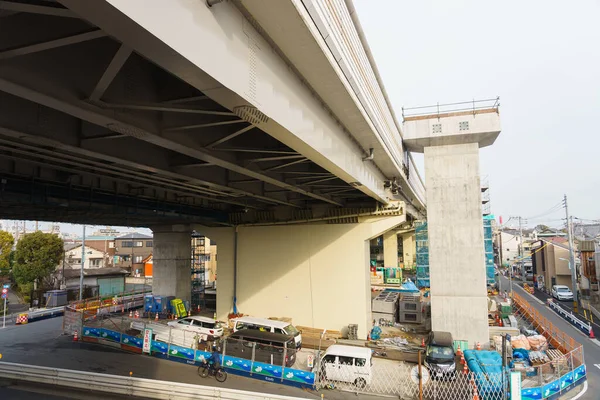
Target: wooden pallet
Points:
(557, 357)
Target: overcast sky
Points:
(541, 57)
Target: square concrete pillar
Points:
(456, 252)
(390, 249)
(409, 249)
(172, 263)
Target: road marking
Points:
(585, 387)
(595, 341)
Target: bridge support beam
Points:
(316, 274)
(172, 251)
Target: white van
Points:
(347, 364)
(268, 325)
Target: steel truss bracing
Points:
(81, 110)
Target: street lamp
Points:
(573, 282)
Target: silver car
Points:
(562, 292)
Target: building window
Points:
(111, 245)
(139, 244)
(126, 244)
(138, 259)
(95, 262)
(149, 243)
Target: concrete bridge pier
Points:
(451, 143)
(172, 250)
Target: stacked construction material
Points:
(385, 308)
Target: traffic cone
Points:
(175, 317)
(465, 369)
(422, 342)
(592, 336)
(475, 394)
(137, 314)
(76, 337)
(156, 317)
(462, 359)
(130, 314)
(459, 351)
(198, 308)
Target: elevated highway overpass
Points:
(145, 112)
(262, 124)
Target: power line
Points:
(549, 211)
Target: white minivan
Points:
(268, 325)
(347, 364)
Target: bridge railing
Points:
(448, 108)
(338, 22)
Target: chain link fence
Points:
(408, 381)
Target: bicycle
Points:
(207, 369)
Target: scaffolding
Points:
(422, 239)
(422, 242)
(489, 250)
(198, 270)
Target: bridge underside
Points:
(92, 132)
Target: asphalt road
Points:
(41, 343)
(591, 347)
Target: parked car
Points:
(202, 325)
(347, 364)
(268, 325)
(269, 348)
(562, 292)
(439, 355)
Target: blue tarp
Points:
(488, 368)
(409, 287)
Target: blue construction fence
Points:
(557, 388)
(422, 250)
(234, 365)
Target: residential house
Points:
(104, 243)
(551, 262)
(589, 277)
(131, 250)
(508, 244)
(94, 257)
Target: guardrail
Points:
(584, 327)
(555, 336)
(140, 387)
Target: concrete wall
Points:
(456, 251)
(317, 274)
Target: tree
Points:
(36, 257)
(6, 243)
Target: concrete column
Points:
(172, 262)
(456, 251)
(409, 249)
(390, 249)
(316, 274)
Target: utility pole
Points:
(571, 255)
(82, 264)
(521, 249)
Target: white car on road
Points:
(201, 325)
(562, 292)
